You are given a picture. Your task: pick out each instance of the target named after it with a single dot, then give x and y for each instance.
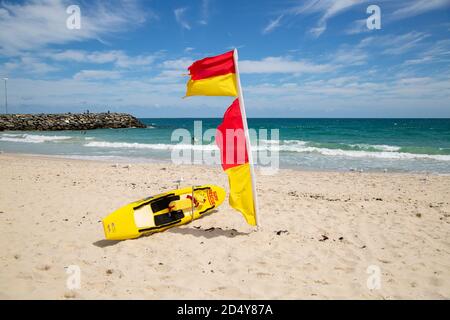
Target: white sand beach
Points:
(320, 234)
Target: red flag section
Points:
(230, 138)
(212, 66)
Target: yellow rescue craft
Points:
(161, 212)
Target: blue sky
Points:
(311, 58)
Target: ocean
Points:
(393, 145)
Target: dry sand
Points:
(338, 226)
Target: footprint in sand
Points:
(436, 282)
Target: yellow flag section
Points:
(224, 85)
(241, 194)
(213, 76)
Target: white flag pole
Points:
(247, 136)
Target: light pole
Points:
(6, 96)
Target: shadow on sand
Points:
(105, 243)
(208, 233)
(193, 231)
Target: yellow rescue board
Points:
(161, 212)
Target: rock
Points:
(68, 121)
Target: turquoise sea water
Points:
(411, 145)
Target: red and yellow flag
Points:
(216, 76)
(230, 139)
(213, 76)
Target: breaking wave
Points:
(295, 146)
(154, 146)
(348, 150)
(31, 138)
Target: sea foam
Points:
(154, 146)
(31, 138)
(294, 146)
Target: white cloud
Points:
(422, 60)
(423, 89)
(118, 57)
(358, 26)
(349, 56)
(38, 23)
(97, 75)
(205, 12)
(179, 64)
(403, 43)
(83, 92)
(179, 17)
(173, 71)
(439, 49)
(417, 7)
(438, 52)
(27, 64)
(48, 61)
(327, 10)
(202, 15)
(394, 44)
(272, 25)
(281, 65)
